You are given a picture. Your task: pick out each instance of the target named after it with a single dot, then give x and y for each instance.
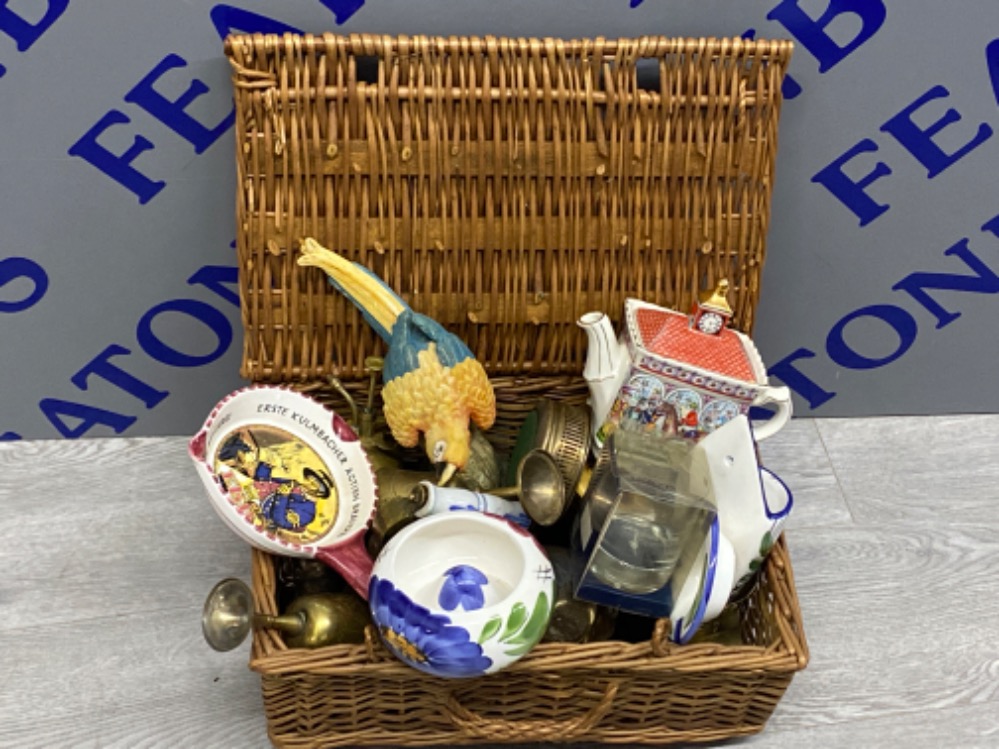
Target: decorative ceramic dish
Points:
(289, 476)
(461, 594)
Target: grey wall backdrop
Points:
(118, 309)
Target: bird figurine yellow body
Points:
(433, 383)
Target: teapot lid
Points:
(667, 334)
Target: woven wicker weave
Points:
(506, 187)
(611, 692)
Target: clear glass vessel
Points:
(642, 523)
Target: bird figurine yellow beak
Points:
(434, 386)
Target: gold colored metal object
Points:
(351, 403)
(362, 420)
(726, 629)
(395, 509)
(298, 576)
(374, 366)
(561, 430)
(540, 488)
(573, 620)
(311, 621)
(717, 298)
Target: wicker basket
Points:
(506, 187)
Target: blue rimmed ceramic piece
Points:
(461, 594)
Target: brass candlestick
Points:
(311, 621)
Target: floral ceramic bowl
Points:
(461, 594)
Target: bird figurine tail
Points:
(379, 305)
(434, 386)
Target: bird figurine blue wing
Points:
(434, 385)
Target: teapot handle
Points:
(780, 397)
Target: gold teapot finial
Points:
(717, 300)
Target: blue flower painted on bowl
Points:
(426, 641)
(462, 587)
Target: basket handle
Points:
(497, 729)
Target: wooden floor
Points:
(108, 549)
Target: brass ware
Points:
(540, 488)
(573, 620)
(399, 482)
(299, 576)
(726, 629)
(395, 509)
(345, 394)
(311, 621)
(561, 430)
(376, 442)
(374, 366)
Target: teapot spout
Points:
(606, 362)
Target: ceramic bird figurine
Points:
(433, 384)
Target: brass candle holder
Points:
(310, 621)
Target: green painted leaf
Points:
(492, 627)
(514, 622)
(533, 629)
(520, 649)
(766, 543)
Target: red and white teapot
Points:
(671, 372)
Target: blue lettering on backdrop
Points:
(919, 141)
(117, 166)
(897, 318)
(25, 33)
(921, 144)
(227, 19)
(172, 113)
(102, 367)
(73, 419)
(87, 417)
(794, 378)
(984, 281)
(914, 139)
(992, 60)
(205, 313)
(13, 269)
(811, 33)
(214, 278)
(850, 193)
(342, 9)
